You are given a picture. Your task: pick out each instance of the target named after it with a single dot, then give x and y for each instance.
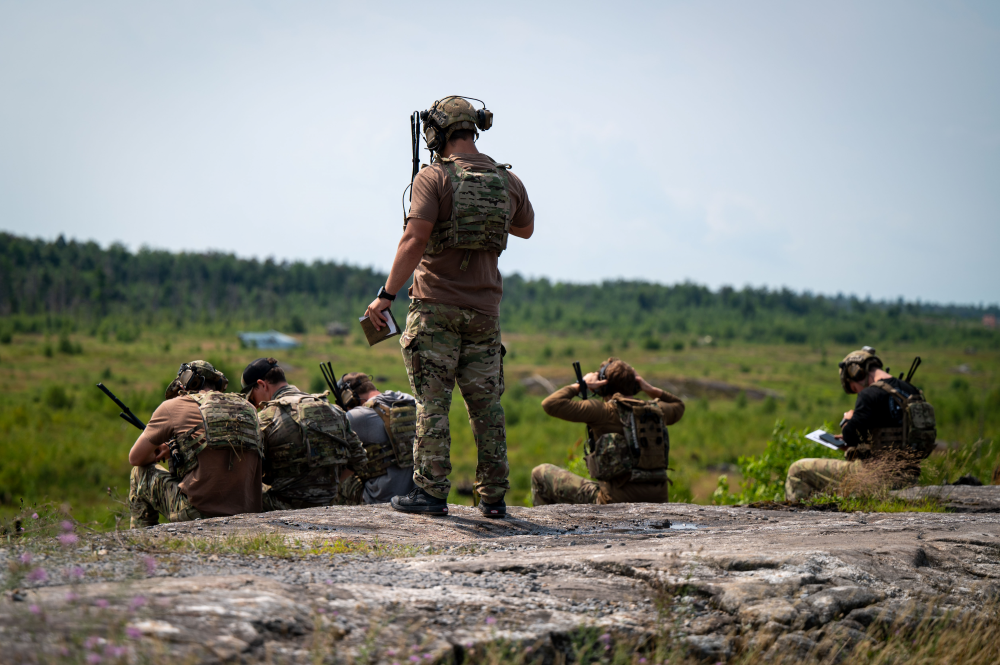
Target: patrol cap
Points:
(254, 372)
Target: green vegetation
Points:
(65, 327)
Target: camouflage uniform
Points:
(152, 491)
(443, 344)
(552, 484)
(815, 476)
(300, 475)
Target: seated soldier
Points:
(889, 431)
(386, 424)
(213, 472)
(309, 447)
(627, 443)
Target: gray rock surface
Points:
(714, 580)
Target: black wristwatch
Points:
(385, 295)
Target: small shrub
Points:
(770, 405)
(56, 397)
(5, 337)
(318, 385)
(297, 325)
(48, 351)
(651, 344)
(741, 400)
(678, 346)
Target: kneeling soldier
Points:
(386, 423)
(309, 448)
(888, 432)
(213, 443)
(628, 446)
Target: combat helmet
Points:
(856, 365)
(448, 115)
(195, 375)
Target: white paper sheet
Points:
(825, 439)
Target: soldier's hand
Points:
(848, 414)
(645, 386)
(593, 383)
(374, 312)
(162, 453)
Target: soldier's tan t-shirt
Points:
(213, 487)
(438, 278)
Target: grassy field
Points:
(61, 439)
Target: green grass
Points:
(61, 440)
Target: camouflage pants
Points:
(151, 492)
(442, 345)
(348, 494)
(815, 476)
(551, 484)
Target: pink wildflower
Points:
(35, 609)
(67, 526)
(321, 610)
(76, 572)
(136, 603)
(390, 652)
(133, 633)
(26, 558)
(70, 597)
(490, 621)
(93, 658)
(38, 575)
(150, 565)
(68, 538)
(100, 602)
(34, 516)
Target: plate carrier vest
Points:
(919, 431)
(227, 421)
(400, 420)
(640, 453)
(309, 433)
(480, 212)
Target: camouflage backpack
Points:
(480, 214)
(918, 434)
(303, 432)
(399, 416)
(641, 451)
(228, 421)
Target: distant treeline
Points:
(60, 285)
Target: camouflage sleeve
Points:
(671, 406)
(356, 457)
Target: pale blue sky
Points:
(832, 146)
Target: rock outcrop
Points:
(715, 581)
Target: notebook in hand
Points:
(375, 336)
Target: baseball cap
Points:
(254, 372)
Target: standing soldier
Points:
(627, 439)
(213, 444)
(309, 448)
(463, 207)
(385, 423)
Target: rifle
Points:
(331, 380)
(913, 369)
(126, 413)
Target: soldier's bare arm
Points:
(523, 231)
(408, 254)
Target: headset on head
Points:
(349, 393)
(602, 375)
(858, 370)
(434, 120)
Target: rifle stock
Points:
(579, 380)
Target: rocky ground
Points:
(369, 584)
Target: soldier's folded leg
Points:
(153, 491)
(271, 501)
(552, 484)
(430, 348)
(349, 491)
(478, 377)
(810, 476)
